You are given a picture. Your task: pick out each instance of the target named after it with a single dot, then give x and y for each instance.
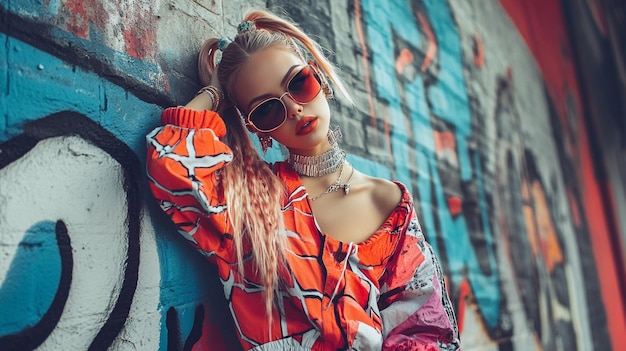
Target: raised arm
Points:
(184, 157)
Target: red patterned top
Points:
(385, 293)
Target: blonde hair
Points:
(253, 193)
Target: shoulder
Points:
(384, 193)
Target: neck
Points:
(321, 164)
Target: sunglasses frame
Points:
(316, 75)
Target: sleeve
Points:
(184, 157)
(415, 308)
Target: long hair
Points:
(253, 193)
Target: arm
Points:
(415, 308)
(183, 159)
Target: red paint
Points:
(542, 26)
(85, 16)
(464, 295)
(444, 141)
(82, 14)
(139, 32)
(455, 205)
(431, 50)
(445, 146)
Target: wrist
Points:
(214, 93)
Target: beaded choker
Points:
(320, 165)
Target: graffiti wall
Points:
(460, 100)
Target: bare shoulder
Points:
(385, 194)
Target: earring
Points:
(328, 91)
(266, 141)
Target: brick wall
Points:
(454, 98)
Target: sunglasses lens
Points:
(305, 85)
(268, 115)
(271, 113)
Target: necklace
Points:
(337, 185)
(323, 164)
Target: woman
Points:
(313, 254)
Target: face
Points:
(275, 83)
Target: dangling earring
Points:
(328, 91)
(266, 141)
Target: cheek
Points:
(281, 134)
(320, 105)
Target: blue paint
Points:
(184, 282)
(141, 70)
(384, 20)
(369, 167)
(53, 7)
(273, 154)
(31, 280)
(35, 93)
(61, 86)
(452, 104)
(449, 102)
(485, 295)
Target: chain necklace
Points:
(337, 185)
(323, 164)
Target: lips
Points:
(306, 125)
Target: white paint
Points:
(68, 179)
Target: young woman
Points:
(313, 254)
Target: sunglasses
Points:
(271, 113)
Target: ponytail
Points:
(206, 60)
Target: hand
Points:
(203, 101)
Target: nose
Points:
(294, 109)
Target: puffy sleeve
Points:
(415, 308)
(184, 157)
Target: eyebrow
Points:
(282, 83)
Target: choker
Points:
(323, 164)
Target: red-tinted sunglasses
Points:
(271, 113)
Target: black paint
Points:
(70, 123)
(31, 337)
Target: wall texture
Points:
(478, 106)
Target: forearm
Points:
(201, 102)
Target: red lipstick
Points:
(306, 125)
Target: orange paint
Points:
(444, 141)
(548, 241)
(479, 51)
(431, 50)
(404, 59)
